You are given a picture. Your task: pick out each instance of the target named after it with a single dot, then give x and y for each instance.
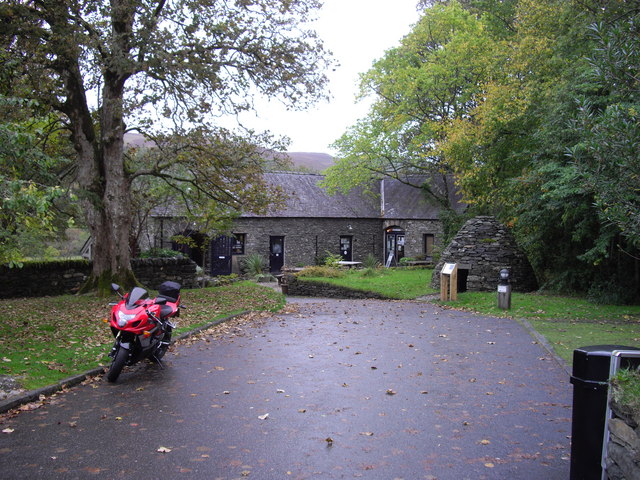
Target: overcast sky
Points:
(358, 32)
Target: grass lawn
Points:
(400, 283)
(44, 340)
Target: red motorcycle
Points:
(141, 326)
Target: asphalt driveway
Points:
(332, 389)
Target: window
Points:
(239, 240)
(428, 244)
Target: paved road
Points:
(337, 389)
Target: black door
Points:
(276, 254)
(346, 249)
(221, 256)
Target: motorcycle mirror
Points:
(115, 287)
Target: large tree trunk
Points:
(108, 211)
(104, 183)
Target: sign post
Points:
(449, 282)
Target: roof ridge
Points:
(285, 172)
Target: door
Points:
(394, 245)
(346, 250)
(276, 254)
(221, 256)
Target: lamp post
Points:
(504, 290)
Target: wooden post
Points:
(449, 282)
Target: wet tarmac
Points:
(334, 389)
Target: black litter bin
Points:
(590, 381)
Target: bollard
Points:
(504, 290)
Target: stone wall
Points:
(309, 238)
(60, 278)
(623, 449)
(303, 288)
(151, 272)
(483, 247)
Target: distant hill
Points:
(306, 161)
(312, 162)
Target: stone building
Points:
(482, 248)
(390, 220)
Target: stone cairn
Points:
(484, 246)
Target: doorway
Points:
(346, 248)
(276, 254)
(221, 255)
(394, 246)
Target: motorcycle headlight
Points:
(124, 318)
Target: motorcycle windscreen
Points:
(136, 296)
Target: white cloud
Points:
(358, 32)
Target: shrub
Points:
(370, 262)
(160, 253)
(265, 278)
(321, 271)
(332, 260)
(254, 265)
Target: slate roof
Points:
(306, 199)
(385, 199)
(405, 201)
(388, 198)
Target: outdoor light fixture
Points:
(504, 276)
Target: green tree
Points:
(108, 67)
(552, 145)
(28, 185)
(433, 78)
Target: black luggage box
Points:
(169, 290)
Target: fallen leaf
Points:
(367, 434)
(263, 417)
(489, 465)
(329, 440)
(279, 390)
(391, 392)
(484, 442)
(8, 430)
(163, 450)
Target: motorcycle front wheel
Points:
(117, 364)
(164, 346)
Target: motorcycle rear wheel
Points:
(117, 364)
